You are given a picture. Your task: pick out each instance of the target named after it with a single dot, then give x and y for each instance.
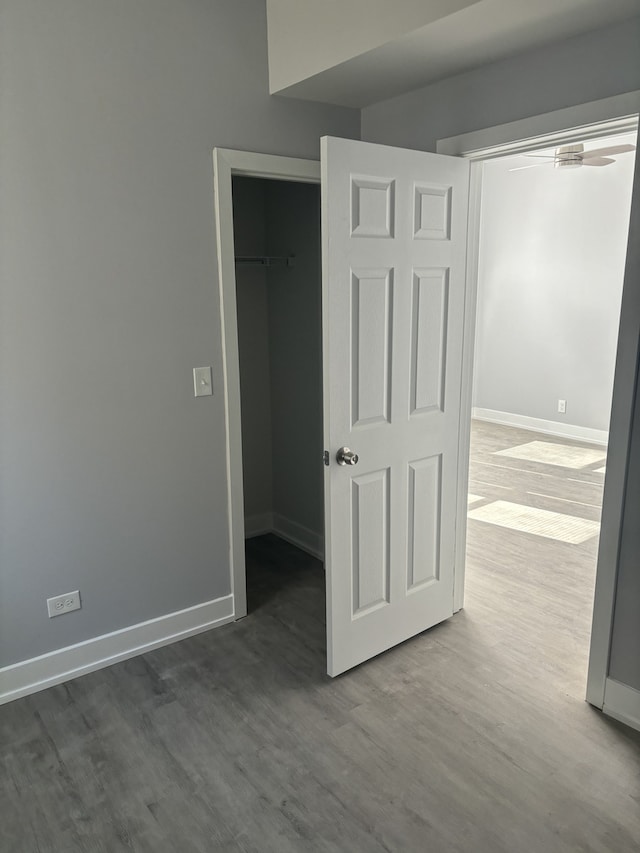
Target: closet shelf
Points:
(265, 261)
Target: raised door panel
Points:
(432, 212)
(424, 522)
(372, 207)
(371, 312)
(428, 339)
(370, 524)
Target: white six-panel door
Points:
(394, 226)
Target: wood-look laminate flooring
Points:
(472, 737)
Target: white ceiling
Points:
(481, 33)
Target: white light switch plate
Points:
(202, 385)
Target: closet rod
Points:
(265, 261)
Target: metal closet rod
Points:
(265, 261)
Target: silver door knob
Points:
(346, 457)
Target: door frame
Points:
(594, 120)
(227, 163)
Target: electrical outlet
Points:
(562, 406)
(60, 604)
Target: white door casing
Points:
(228, 162)
(394, 235)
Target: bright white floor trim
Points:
(272, 522)
(622, 703)
(557, 428)
(30, 676)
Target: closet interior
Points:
(278, 284)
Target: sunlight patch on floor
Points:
(555, 454)
(540, 522)
(473, 499)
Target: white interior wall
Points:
(552, 256)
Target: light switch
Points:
(202, 385)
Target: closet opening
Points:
(276, 233)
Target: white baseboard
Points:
(622, 703)
(258, 525)
(300, 536)
(297, 534)
(30, 676)
(557, 428)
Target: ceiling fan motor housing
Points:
(569, 156)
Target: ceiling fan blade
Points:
(612, 149)
(597, 161)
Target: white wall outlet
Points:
(562, 406)
(202, 384)
(60, 604)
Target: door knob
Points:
(346, 457)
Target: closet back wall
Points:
(279, 331)
(249, 223)
(295, 328)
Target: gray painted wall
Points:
(624, 664)
(585, 68)
(625, 645)
(295, 324)
(113, 475)
(553, 246)
(249, 231)
(561, 75)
